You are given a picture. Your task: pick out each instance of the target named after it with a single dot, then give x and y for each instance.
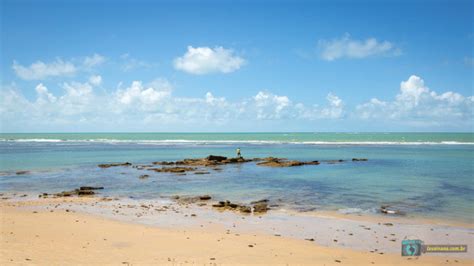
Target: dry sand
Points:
(62, 237)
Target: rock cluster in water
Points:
(213, 161)
(81, 191)
(256, 207)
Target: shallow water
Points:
(422, 179)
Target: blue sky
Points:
(236, 66)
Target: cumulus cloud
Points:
(418, 105)
(44, 96)
(349, 48)
(130, 63)
(145, 97)
(40, 70)
(94, 60)
(95, 80)
(205, 60)
(151, 105)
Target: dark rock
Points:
(172, 169)
(22, 172)
(359, 159)
(90, 188)
(259, 201)
(233, 205)
(143, 176)
(201, 173)
(107, 165)
(260, 208)
(66, 194)
(279, 162)
(163, 163)
(205, 197)
(85, 192)
(216, 158)
(245, 209)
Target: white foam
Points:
(254, 142)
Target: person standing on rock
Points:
(238, 153)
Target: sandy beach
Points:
(88, 230)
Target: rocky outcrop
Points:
(209, 161)
(201, 173)
(205, 197)
(191, 200)
(216, 158)
(258, 207)
(261, 207)
(177, 169)
(82, 191)
(280, 162)
(90, 188)
(107, 165)
(23, 172)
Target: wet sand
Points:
(88, 230)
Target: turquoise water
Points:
(308, 138)
(424, 174)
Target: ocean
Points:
(421, 174)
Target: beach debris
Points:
(389, 210)
(310, 239)
(359, 159)
(107, 165)
(388, 224)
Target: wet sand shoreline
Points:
(370, 238)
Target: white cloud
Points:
(270, 106)
(416, 104)
(43, 94)
(40, 70)
(347, 47)
(130, 63)
(94, 60)
(95, 80)
(152, 106)
(205, 60)
(145, 97)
